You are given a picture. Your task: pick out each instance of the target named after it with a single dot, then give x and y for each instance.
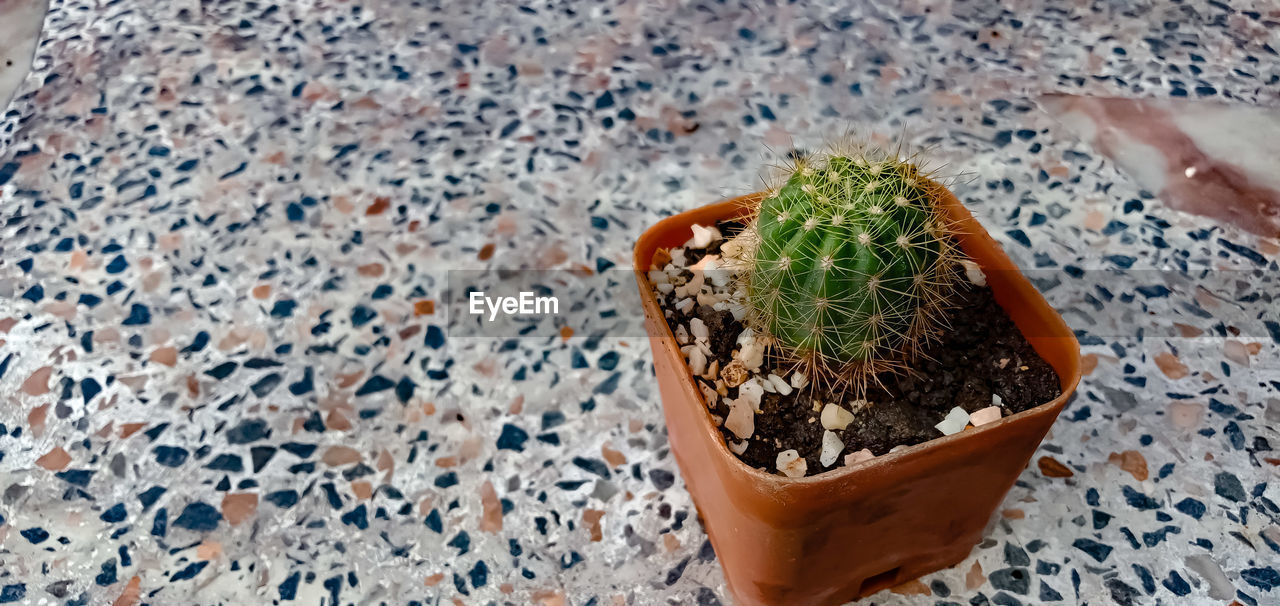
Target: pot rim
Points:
(735, 208)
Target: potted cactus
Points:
(852, 371)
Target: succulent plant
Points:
(852, 263)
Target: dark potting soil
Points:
(982, 354)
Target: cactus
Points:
(852, 264)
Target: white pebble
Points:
(984, 416)
(798, 380)
(750, 350)
(665, 288)
(709, 394)
(955, 421)
(791, 465)
(768, 386)
(835, 418)
(831, 447)
(697, 359)
(738, 310)
(684, 305)
(751, 392)
(682, 335)
(974, 273)
(780, 384)
(857, 457)
(699, 329)
(703, 236)
(996, 401)
(741, 420)
(713, 371)
(677, 257)
(659, 277)
(739, 447)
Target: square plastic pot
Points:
(855, 530)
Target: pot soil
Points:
(903, 499)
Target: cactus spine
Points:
(853, 264)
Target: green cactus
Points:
(852, 264)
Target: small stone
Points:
(703, 236)
(791, 465)
(739, 448)
(1186, 415)
(713, 371)
(831, 447)
(750, 350)
(984, 416)
(858, 457)
(974, 273)
(996, 400)
(751, 392)
(697, 360)
(734, 374)
(682, 334)
(798, 380)
(698, 329)
(742, 419)
(780, 384)
(1236, 352)
(709, 394)
(954, 422)
(835, 418)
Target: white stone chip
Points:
(835, 418)
(751, 392)
(974, 273)
(699, 329)
(677, 257)
(791, 465)
(742, 419)
(831, 447)
(780, 384)
(682, 334)
(684, 305)
(984, 416)
(697, 359)
(857, 457)
(709, 394)
(955, 421)
(739, 447)
(703, 236)
(750, 349)
(665, 288)
(996, 401)
(798, 380)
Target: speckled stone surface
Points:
(226, 228)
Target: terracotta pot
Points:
(855, 530)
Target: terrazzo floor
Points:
(227, 229)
